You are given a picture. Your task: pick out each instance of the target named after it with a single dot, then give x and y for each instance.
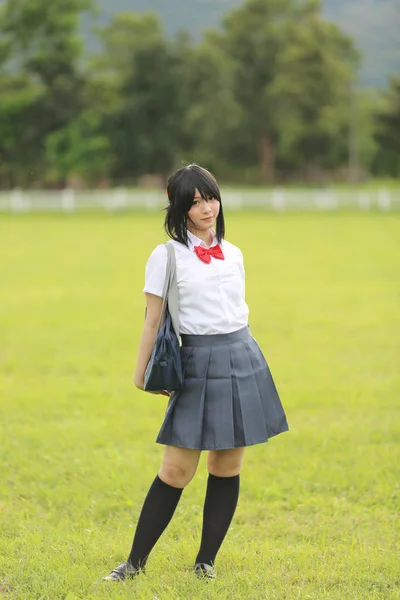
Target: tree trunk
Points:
(267, 159)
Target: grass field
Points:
(318, 514)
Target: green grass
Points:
(318, 515)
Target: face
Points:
(203, 214)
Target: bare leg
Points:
(179, 466)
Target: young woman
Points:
(229, 400)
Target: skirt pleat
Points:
(218, 419)
(275, 418)
(229, 398)
(251, 411)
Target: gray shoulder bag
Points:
(164, 370)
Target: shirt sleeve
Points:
(156, 268)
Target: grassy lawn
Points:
(318, 514)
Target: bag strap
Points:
(170, 290)
(173, 302)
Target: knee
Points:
(223, 471)
(175, 475)
(224, 464)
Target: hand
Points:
(139, 383)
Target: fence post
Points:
(68, 200)
(326, 200)
(17, 200)
(150, 201)
(118, 199)
(278, 199)
(384, 199)
(363, 200)
(233, 200)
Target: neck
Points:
(205, 236)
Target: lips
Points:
(208, 218)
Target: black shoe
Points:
(204, 571)
(124, 571)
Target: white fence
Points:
(279, 199)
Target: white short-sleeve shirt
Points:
(211, 296)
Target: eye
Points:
(195, 202)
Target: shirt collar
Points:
(195, 241)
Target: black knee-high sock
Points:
(219, 507)
(157, 511)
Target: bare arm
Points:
(153, 305)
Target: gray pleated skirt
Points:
(229, 398)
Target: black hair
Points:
(181, 190)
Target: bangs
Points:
(182, 186)
(206, 184)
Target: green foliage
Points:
(43, 35)
(42, 42)
(388, 132)
(213, 114)
(290, 72)
(18, 129)
(78, 150)
(266, 98)
(144, 121)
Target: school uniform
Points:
(229, 398)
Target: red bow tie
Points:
(205, 254)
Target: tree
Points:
(147, 106)
(291, 70)
(387, 159)
(18, 142)
(47, 89)
(78, 150)
(213, 115)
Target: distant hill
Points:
(374, 24)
